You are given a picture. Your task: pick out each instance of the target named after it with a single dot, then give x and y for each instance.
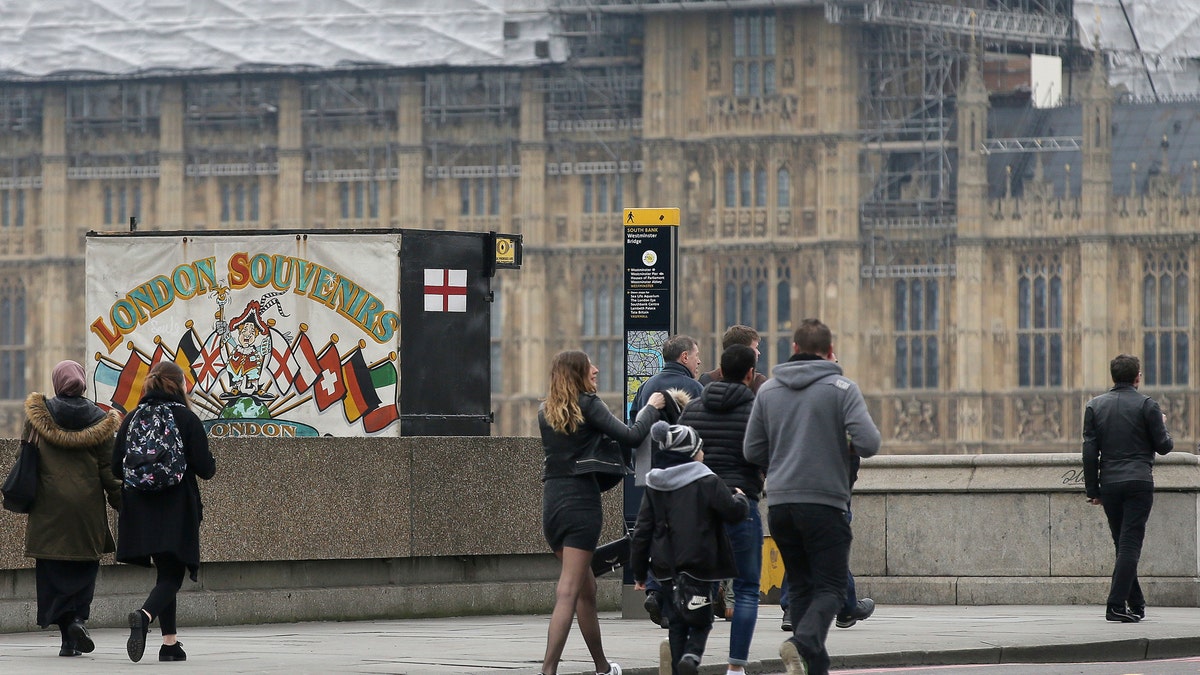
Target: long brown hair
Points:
(569, 377)
(166, 377)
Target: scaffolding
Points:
(913, 56)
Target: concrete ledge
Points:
(335, 603)
(1165, 591)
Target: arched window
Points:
(12, 340)
(1165, 344)
(915, 315)
(760, 187)
(730, 188)
(601, 324)
(783, 188)
(1039, 322)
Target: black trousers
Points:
(684, 638)
(161, 603)
(1127, 506)
(814, 542)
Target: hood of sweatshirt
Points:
(721, 396)
(801, 374)
(675, 477)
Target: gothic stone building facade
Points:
(987, 336)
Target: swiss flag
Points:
(445, 290)
(329, 388)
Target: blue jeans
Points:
(814, 541)
(747, 540)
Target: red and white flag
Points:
(445, 290)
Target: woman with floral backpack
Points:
(159, 523)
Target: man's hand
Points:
(639, 586)
(1094, 501)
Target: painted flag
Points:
(130, 382)
(329, 388)
(445, 290)
(361, 397)
(186, 354)
(160, 354)
(209, 363)
(104, 384)
(383, 378)
(282, 363)
(308, 369)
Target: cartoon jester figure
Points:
(247, 343)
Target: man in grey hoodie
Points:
(804, 421)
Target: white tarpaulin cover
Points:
(42, 38)
(1168, 32)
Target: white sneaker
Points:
(613, 669)
(792, 661)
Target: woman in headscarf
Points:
(67, 531)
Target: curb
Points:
(1140, 649)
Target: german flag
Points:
(361, 397)
(130, 383)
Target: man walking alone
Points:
(1122, 429)
(801, 428)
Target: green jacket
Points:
(68, 520)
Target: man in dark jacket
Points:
(801, 428)
(680, 533)
(719, 416)
(737, 335)
(681, 365)
(1122, 429)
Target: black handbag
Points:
(612, 555)
(606, 458)
(20, 487)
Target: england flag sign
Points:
(445, 290)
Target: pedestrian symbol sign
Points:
(644, 217)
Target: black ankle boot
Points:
(80, 635)
(172, 652)
(68, 649)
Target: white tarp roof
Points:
(1168, 32)
(40, 38)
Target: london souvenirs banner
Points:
(277, 335)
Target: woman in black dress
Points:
(573, 419)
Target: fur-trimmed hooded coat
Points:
(68, 520)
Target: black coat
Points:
(682, 528)
(167, 521)
(720, 416)
(562, 451)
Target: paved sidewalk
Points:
(895, 635)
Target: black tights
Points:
(161, 603)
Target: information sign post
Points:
(651, 252)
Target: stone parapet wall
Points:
(346, 528)
(1013, 529)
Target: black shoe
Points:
(1113, 613)
(863, 610)
(139, 625)
(1138, 610)
(68, 649)
(786, 625)
(653, 605)
(689, 664)
(82, 638)
(172, 652)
